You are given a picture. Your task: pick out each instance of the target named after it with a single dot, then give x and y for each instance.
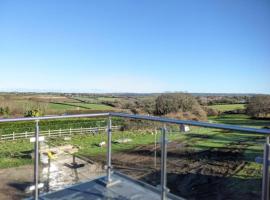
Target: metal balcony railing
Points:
(264, 132)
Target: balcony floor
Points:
(126, 189)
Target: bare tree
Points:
(259, 106)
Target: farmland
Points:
(18, 105)
(78, 106)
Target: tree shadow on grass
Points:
(246, 121)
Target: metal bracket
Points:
(108, 167)
(33, 187)
(166, 189)
(260, 160)
(110, 183)
(40, 139)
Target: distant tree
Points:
(2, 111)
(211, 111)
(168, 103)
(259, 106)
(148, 105)
(7, 110)
(179, 104)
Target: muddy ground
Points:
(202, 174)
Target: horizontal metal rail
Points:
(150, 118)
(194, 123)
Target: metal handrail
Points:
(193, 123)
(54, 117)
(150, 118)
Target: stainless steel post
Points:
(163, 181)
(265, 181)
(36, 174)
(109, 150)
(155, 161)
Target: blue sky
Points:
(135, 45)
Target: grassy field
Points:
(52, 104)
(212, 138)
(227, 107)
(97, 99)
(241, 120)
(79, 106)
(92, 106)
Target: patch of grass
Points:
(78, 106)
(15, 153)
(58, 106)
(110, 99)
(240, 120)
(88, 144)
(92, 106)
(228, 107)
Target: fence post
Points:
(69, 131)
(163, 181)
(49, 133)
(81, 130)
(25, 134)
(265, 181)
(109, 181)
(36, 170)
(60, 132)
(155, 154)
(13, 136)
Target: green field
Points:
(212, 138)
(92, 106)
(60, 107)
(241, 120)
(228, 107)
(78, 106)
(19, 105)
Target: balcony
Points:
(116, 185)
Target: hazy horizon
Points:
(127, 92)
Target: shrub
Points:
(211, 111)
(32, 113)
(179, 103)
(259, 106)
(4, 111)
